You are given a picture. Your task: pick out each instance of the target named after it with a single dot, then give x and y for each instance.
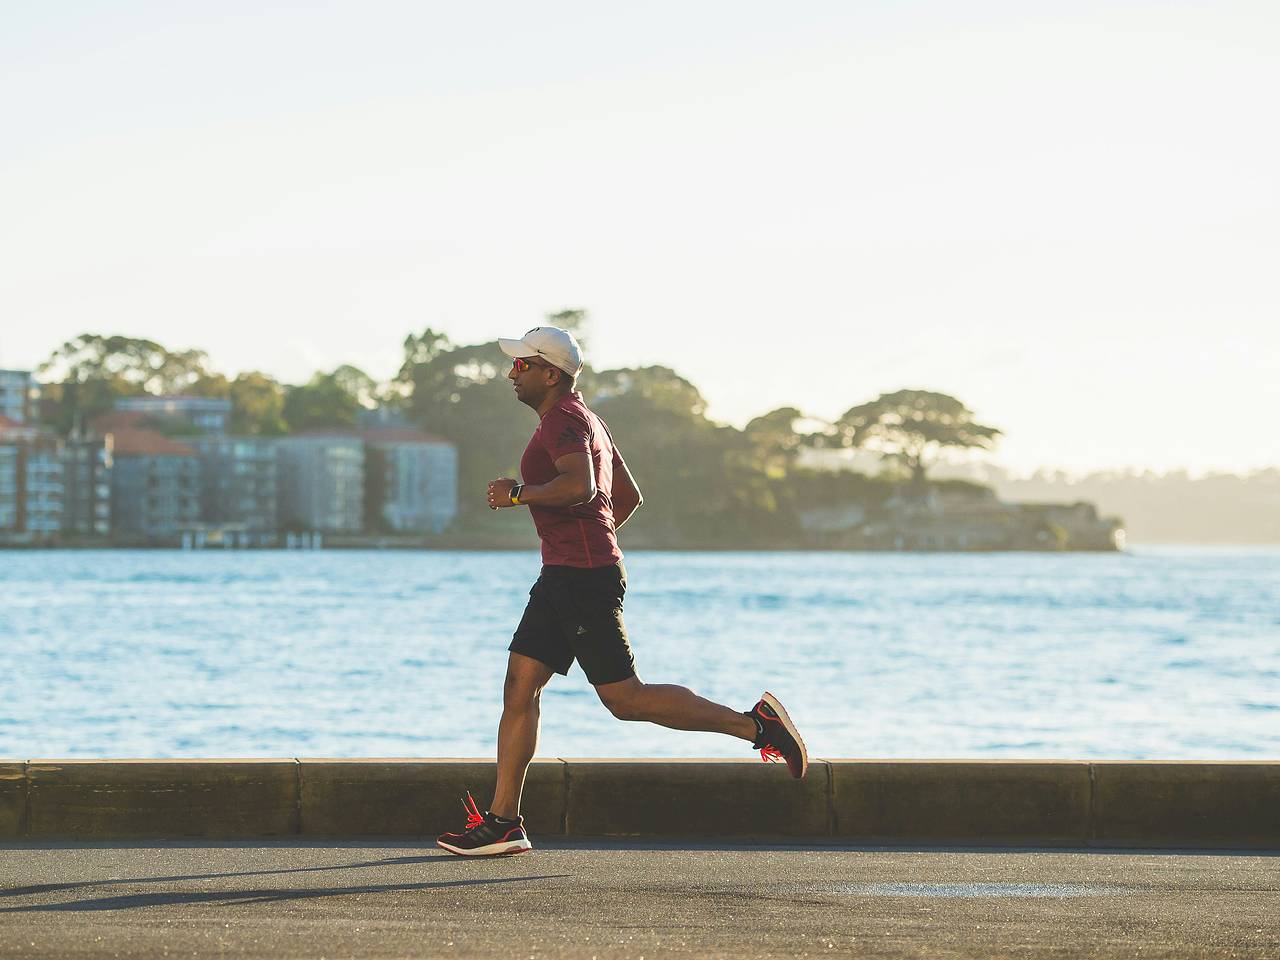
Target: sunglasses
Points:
(521, 364)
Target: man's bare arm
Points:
(626, 494)
(575, 483)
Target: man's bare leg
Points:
(518, 730)
(673, 706)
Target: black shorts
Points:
(577, 612)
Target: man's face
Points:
(532, 378)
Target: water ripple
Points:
(1163, 653)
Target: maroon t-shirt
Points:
(581, 535)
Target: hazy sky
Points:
(1065, 214)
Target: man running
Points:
(579, 491)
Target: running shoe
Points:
(778, 738)
(484, 835)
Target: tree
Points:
(209, 385)
(257, 405)
(90, 372)
(573, 320)
(698, 477)
(661, 388)
(775, 439)
(462, 394)
(421, 349)
(324, 401)
(701, 482)
(357, 384)
(143, 365)
(910, 427)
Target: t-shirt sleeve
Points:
(563, 435)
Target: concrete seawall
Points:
(1061, 803)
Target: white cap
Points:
(551, 343)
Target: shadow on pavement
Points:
(81, 884)
(246, 897)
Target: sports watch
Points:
(516, 491)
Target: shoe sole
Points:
(492, 850)
(781, 711)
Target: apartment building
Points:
(239, 485)
(15, 395)
(155, 487)
(31, 490)
(86, 467)
(321, 482)
(411, 481)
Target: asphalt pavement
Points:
(617, 899)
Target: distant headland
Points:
(124, 442)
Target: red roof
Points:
(146, 443)
(19, 431)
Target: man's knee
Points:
(625, 700)
(523, 687)
(520, 694)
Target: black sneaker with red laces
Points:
(777, 737)
(485, 835)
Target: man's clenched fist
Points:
(500, 492)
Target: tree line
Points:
(705, 483)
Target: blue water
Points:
(1159, 653)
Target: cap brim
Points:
(516, 348)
